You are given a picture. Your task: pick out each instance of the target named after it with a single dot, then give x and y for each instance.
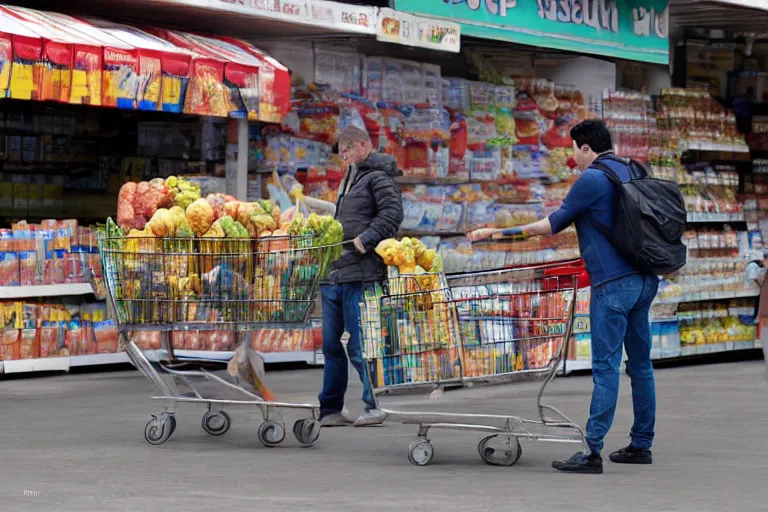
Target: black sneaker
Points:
(630, 455)
(581, 462)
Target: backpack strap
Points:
(610, 174)
(616, 181)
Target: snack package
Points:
(320, 121)
(55, 71)
(24, 83)
(9, 269)
(391, 138)
(6, 61)
(87, 71)
(9, 344)
(242, 83)
(150, 80)
(121, 78)
(207, 94)
(49, 340)
(175, 80)
(29, 344)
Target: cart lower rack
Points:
(232, 286)
(466, 330)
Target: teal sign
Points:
(625, 29)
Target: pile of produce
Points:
(217, 259)
(411, 257)
(137, 203)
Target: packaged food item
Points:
(320, 121)
(24, 83)
(55, 71)
(6, 62)
(87, 70)
(121, 78)
(29, 347)
(9, 344)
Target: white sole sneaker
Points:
(371, 418)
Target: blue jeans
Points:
(619, 316)
(341, 312)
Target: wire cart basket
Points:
(436, 332)
(182, 285)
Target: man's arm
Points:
(582, 195)
(389, 204)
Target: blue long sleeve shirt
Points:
(592, 199)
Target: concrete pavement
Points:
(75, 443)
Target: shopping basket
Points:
(235, 286)
(438, 332)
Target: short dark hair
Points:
(594, 133)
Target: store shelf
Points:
(576, 366)
(713, 146)
(715, 217)
(703, 296)
(99, 359)
(45, 290)
(43, 364)
(715, 348)
(288, 357)
(422, 232)
(269, 357)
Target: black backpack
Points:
(649, 219)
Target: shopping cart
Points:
(179, 286)
(435, 332)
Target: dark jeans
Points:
(619, 316)
(341, 312)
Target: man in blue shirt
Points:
(620, 301)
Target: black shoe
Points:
(630, 455)
(581, 462)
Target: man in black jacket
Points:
(370, 209)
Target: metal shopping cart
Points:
(179, 286)
(435, 332)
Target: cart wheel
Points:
(216, 423)
(160, 428)
(271, 433)
(306, 430)
(420, 452)
(495, 458)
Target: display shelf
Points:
(714, 348)
(42, 364)
(420, 232)
(715, 217)
(576, 366)
(99, 359)
(704, 296)
(224, 356)
(714, 146)
(45, 290)
(289, 357)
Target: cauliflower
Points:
(161, 224)
(200, 216)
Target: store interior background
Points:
(98, 149)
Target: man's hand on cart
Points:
(359, 245)
(486, 233)
(540, 227)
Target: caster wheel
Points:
(216, 423)
(420, 452)
(306, 430)
(160, 428)
(496, 457)
(271, 433)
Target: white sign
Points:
(360, 19)
(402, 28)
